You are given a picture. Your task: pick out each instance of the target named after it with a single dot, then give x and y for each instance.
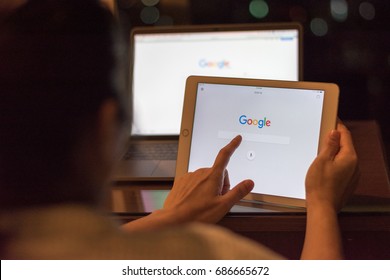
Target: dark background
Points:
(345, 42)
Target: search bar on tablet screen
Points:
(253, 137)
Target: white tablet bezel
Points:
(328, 121)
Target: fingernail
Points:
(334, 133)
(237, 138)
(249, 184)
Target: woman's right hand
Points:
(330, 178)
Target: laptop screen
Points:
(163, 61)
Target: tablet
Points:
(283, 125)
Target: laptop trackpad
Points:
(130, 169)
(165, 169)
(145, 170)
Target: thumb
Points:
(238, 192)
(332, 145)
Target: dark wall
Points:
(345, 42)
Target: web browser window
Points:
(162, 63)
(280, 128)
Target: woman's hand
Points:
(329, 182)
(205, 195)
(330, 178)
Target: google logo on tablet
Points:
(244, 120)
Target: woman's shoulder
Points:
(197, 241)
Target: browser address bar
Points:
(253, 137)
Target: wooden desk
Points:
(365, 221)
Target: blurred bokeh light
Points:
(339, 9)
(318, 26)
(367, 10)
(258, 8)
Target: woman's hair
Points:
(59, 60)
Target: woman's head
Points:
(61, 60)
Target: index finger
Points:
(223, 157)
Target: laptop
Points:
(161, 60)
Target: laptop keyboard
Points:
(150, 151)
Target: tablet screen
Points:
(280, 128)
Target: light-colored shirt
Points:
(77, 232)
